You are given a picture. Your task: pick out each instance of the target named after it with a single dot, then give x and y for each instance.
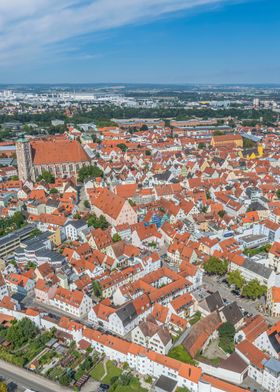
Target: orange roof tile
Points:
(222, 385)
(57, 151)
(255, 355)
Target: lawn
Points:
(134, 386)
(98, 372)
(195, 318)
(181, 354)
(112, 371)
(129, 388)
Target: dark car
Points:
(104, 387)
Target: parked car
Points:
(103, 387)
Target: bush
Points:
(12, 358)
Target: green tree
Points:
(87, 204)
(278, 193)
(124, 379)
(12, 223)
(148, 153)
(97, 290)
(122, 146)
(235, 278)
(35, 233)
(89, 172)
(98, 223)
(262, 249)
(218, 133)
(18, 219)
(226, 335)
(248, 143)
(116, 237)
(53, 191)
(215, 266)
(201, 145)
(95, 138)
(87, 364)
(47, 176)
(253, 289)
(3, 387)
(21, 332)
(221, 213)
(31, 265)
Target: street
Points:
(82, 198)
(27, 379)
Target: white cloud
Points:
(31, 28)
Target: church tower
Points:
(24, 160)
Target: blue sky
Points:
(139, 41)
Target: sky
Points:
(139, 41)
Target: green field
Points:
(112, 371)
(98, 372)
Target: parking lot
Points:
(214, 283)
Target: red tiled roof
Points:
(57, 151)
(250, 351)
(222, 385)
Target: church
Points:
(58, 155)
